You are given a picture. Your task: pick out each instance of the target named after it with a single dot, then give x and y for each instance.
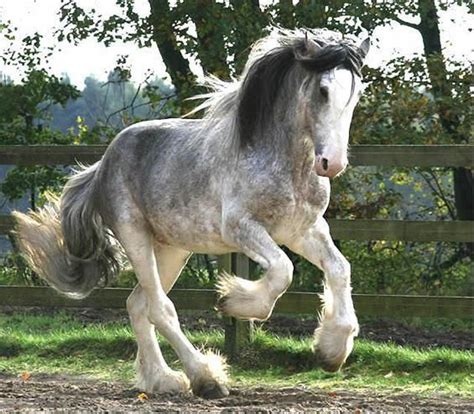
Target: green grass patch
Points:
(63, 344)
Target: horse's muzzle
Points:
(329, 168)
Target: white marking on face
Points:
(338, 94)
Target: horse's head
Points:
(329, 94)
(295, 86)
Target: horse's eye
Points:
(324, 91)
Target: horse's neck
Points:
(290, 146)
(285, 145)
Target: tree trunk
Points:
(163, 35)
(249, 23)
(211, 51)
(310, 13)
(286, 14)
(462, 177)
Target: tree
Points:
(449, 88)
(23, 113)
(113, 105)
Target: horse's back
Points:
(148, 142)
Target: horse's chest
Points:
(296, 223)
(309, 204)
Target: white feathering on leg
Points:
(242, 298)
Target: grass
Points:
(63, 344)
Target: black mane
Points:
(261, 85)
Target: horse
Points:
(251, 175)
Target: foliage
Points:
(15, 271)
(398, 107)
(395, 267)
(23, 109)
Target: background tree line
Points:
(423, 100)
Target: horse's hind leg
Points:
(153, 374)
(338, 325)
(205, 372)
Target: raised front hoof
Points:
(210, 390)
(242, 299)
(225, 306)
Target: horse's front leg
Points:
(334, 338)
(245, 299)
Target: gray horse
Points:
(251, 175)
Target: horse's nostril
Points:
(325, 163)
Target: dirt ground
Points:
(53, 393)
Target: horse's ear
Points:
(364, 47)
(307, 49)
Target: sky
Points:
(92, 58)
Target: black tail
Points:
(66, 242)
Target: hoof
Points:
(242, 299)
(211, 390)
(333, 343)
(225, 284)
(326, 364)
(211, 381)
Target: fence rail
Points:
(420, 231)
(360, 155)
(290, 303)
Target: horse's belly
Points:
(206, 246)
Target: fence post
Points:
(237, 333)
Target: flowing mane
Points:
(251, 98)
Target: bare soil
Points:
(64, 394)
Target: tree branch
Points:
(439, 192)
(131, 106)
(405, 23)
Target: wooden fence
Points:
(291, 302)
(397, 306)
